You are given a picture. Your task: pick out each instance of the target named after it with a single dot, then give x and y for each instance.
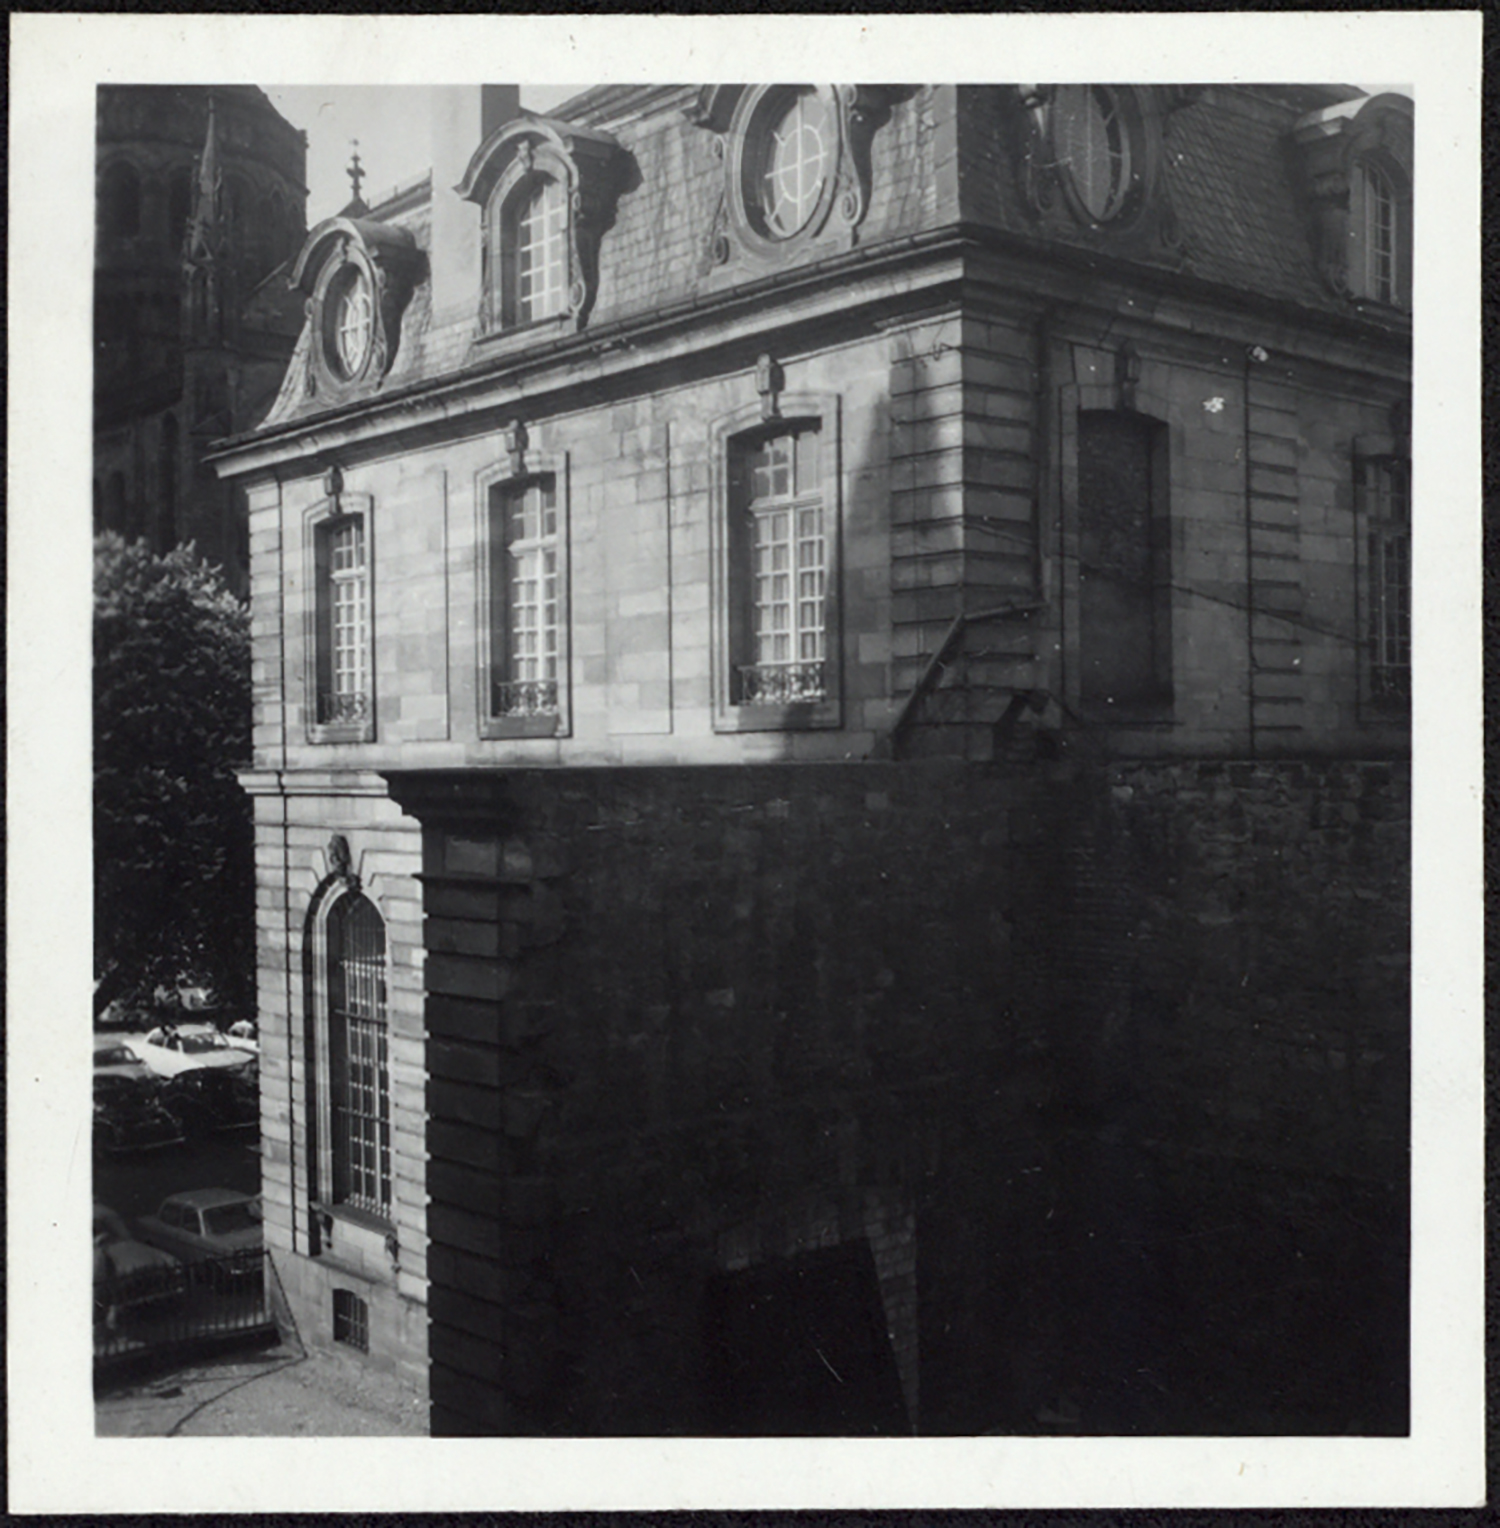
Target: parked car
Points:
(216, 1229)
(130, 1277)
(113, 1058)
(172, 1048)
(244, 1035)
(128, 1114)
(208, 1099)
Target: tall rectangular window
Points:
(1386, 507)
(526, 642)
(1124, 636)
(341, 676)
(779, 634)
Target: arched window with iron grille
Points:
(358, 1060)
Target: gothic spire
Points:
(203, 226)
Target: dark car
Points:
(209, 1100)
(129, 1117)
(216, 1231)
(130, 1277)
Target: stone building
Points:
(832, 673)
(201, 200)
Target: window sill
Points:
(523, 336)
(357, 1242)
(521, 726)
(1136, 714)
(804, 716)
(341, 732)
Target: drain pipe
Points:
(1253, 353)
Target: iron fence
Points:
(154, 1310)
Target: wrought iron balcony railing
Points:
(779, 684)
(524, 697)
(343, 708)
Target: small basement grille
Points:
(351, 1320)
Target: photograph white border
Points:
(56, 1462)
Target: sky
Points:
(390, 123)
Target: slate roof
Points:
(1229, 172)
(1233, 183)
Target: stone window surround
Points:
(739, 116)
(386, 259)
(586, 164)
(788, 409)
(317, 522)
(519, 466)
(326, 1218)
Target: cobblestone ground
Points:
(279, 1392)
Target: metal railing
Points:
(343, 707)
(154, 1310)
(779, 684)
(524, 697)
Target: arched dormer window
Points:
(1356, 161)
(548, 190)
(120, 201)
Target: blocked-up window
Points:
(1385, 507)
(1123, 573)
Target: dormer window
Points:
(548, 190)
(796, 167)
(1356, 162)
(358, 277)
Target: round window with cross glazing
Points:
(790, 157)
(1094, 143)
(349, 322)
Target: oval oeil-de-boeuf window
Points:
(790, 158)
(1091, 140)
(351, 321)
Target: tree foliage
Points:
(174, 870)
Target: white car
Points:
(245, 1035)
(173, 1048)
